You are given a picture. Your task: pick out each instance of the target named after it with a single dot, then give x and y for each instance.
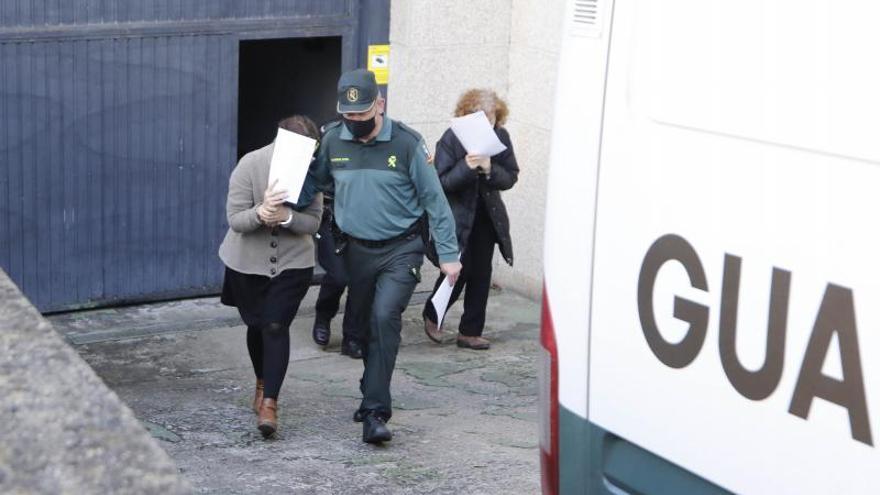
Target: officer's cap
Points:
(356, 91)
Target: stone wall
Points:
(61, 429)
(441, 48)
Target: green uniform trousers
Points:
(381, 283)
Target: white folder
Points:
(291, 158)
(477, 135)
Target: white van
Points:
(711, 312)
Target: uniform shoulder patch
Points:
(418, 142)
(424, 149)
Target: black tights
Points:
(269, 348)
(268, 306)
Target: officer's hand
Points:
(478, 162)
(451, 270)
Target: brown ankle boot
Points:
(258, 396)
(476, 343)
(268, 419)
(434, 332)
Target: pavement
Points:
(464, 421)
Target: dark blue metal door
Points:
(118, 129)
(115, 160)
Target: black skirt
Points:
(262, 300)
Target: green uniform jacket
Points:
(381, 187)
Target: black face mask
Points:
(360, 128)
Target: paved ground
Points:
(465, 421)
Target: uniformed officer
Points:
(384, 186)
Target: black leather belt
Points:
(414, 230)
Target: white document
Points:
(441, 300)
(291, 158)
(477, 135)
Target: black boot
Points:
(321, 333)
(375, 430)
(352, 349)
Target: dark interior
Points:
(281, 77)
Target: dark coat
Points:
(464, 187)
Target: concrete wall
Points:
(61, 429)
(441, 48)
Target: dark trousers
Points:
(382, 281)
(334, 283)
(476, 275)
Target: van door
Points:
(734, 315)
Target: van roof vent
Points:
(585, 18)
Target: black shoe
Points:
(358, 416)
(352, 349)
(321, 333)
(375, 430)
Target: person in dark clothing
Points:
(332, 287)
(269, 257)
(472, 185)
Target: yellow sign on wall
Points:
(377, 62)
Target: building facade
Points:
(440, 48)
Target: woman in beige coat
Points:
(269, 256)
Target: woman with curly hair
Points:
(472, 185)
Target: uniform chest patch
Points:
(392, 161)
(339, 160)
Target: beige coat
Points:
(249, 246)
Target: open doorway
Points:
(281, 77)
